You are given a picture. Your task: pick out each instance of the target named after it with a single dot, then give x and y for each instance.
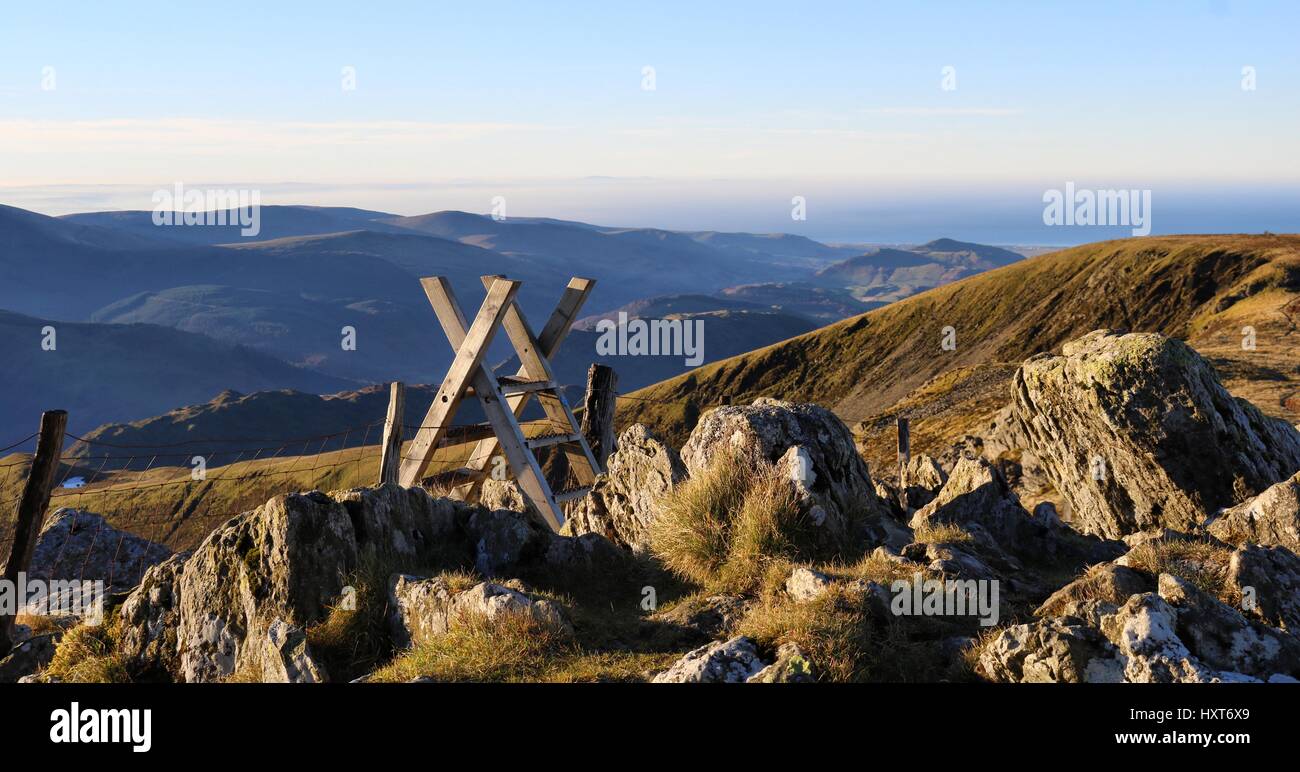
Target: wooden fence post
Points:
(31, 510)
(391, 459)
(904, 458)
(598, 408)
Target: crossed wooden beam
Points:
(503, 398)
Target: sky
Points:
(893, 121)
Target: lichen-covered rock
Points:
(286, 560)
(286, 657)
(806, 584)
(731, 662)
(1051, 651)
(503, 539)
(421, 609)
(1224, 639)
(625, 499)
(82, 546)
(150, 617)
(1268, 581)
(407, 522)
(1145, 630)
(1136, 431)
(791, 667)
(1272, 518)
(806, 441)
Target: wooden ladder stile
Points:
(503, 399)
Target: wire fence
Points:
(147, 498)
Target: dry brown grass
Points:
(723, 527)
(89, 654)
(1202, 563)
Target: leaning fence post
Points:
(31, 510)
(598, 407)
(904, 458)
(391, 459)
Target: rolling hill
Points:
(890, 361)
(887, 274)
(113, 372)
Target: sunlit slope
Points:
(890, 361)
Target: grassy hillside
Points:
(890, 361)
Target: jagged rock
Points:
(421, 609)
(286, 560)
(27, 657)
(807, 441)
(589, 552)
(976, 493)
(732, 662)
(1268, 579)
(82, 546)
(791, 667)
(924, 479)
(806, 584)
(1137, 432)
(625, 499)
(706, 618)
(1179, 634)
(150, 618)
(1224, 639)
(503, 539)
(1145, 632)
(1272, 517)
(1051, 651)
(1106, 582)
(951, 560)
(408, 522)
(286, 657)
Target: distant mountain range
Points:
(271, 310)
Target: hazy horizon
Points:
(677, 116)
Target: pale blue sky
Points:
(754, 102)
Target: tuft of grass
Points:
(1200, 562)
(724, 527)
(90, 654)
(941, 533)
(509, 647)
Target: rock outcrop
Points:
(625, 499)
(724, 662)
(244, 598)
(423, 608)
(1268, 582)
(1272, 517)
(976, 493)
(1136, 431)
(924, 479)
(82, 546)
(1177, 634)
(807, 442)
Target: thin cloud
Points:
(945, 111)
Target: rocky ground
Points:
(762, 551)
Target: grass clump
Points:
(722, 528)
(508, 647)
(941, 533)
(89, 654)
(1200, 562)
